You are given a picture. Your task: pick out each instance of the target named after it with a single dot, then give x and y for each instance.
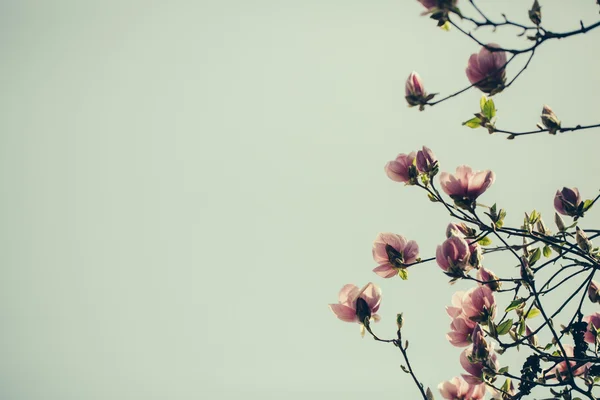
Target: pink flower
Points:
(466, 185)
(456, 309)
(562, 369)
(475, 367)
(358, 305)
(426, 161)
(476, 253)
(489, 278)
(461, 331)
(402, 169)
(594, 292)
(414, 86)
(458, 230)
(479, 304)
(486, 70)
(459, 389)
(567, 201)
(429, 4)
(453, 256)
(593, 325)
(393, 252)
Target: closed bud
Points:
(535, 14)
(582, 240)
(541, 227)
(399, 321)
(550, 120)
(594, 292)
(560, 224)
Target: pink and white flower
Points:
(466, 185)
(593, 322)
(393, 252)
(486, 70)
(459, 389)
(358, 305)
(479, 304)
(453, 255)
(402, 169)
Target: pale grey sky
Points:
(187, 185)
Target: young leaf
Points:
(547, 251)
(403, 273)
(535, 256)
(482, 102)
(521, 327)
(503, 370)
(514, 304)
(587, 204)
(473, 123)
(489, 110)
(485, 241)
(534, 312)
(504, 327)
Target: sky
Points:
(187, 186)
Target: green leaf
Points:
(473, 123)
(503, 370)
(403, 273)
(482, 102)
(521, 327)
(587, 204)
(547, 251)
(534, 312)
(485, 241)
(504, 327)
(432, 198)
(489, 109)
(535, 256)
(514, 304)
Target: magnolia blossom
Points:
(459, 389)
(594, 292)
(477, 367)
(358, 305)
(461, 326)
(593, 322)
(479, 304)
(426, 161)
(461, 331)
(488, 278)
(414, 86)
(429, 4)
(562, 369)
(392, 252)
(453, 256)
(461, 229)
(466, 185)
(402, 169)
(567, 201)
(486, 70)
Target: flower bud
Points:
(567, 201)
(535, 14)
(460, 229)
(582, 240)
(560, 224)
(399, 321)
(414, 91)
(550, 120)
(594, 292)
(532, 339)
(541, 227)
(426, 162)
(453, 256)
(480, 346)
(488, 278)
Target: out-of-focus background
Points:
(187, 185)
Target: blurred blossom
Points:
(426, 161)
(593, 322)
(459, 389)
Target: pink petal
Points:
(385, 271)
(343, 312)
(348, 294)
